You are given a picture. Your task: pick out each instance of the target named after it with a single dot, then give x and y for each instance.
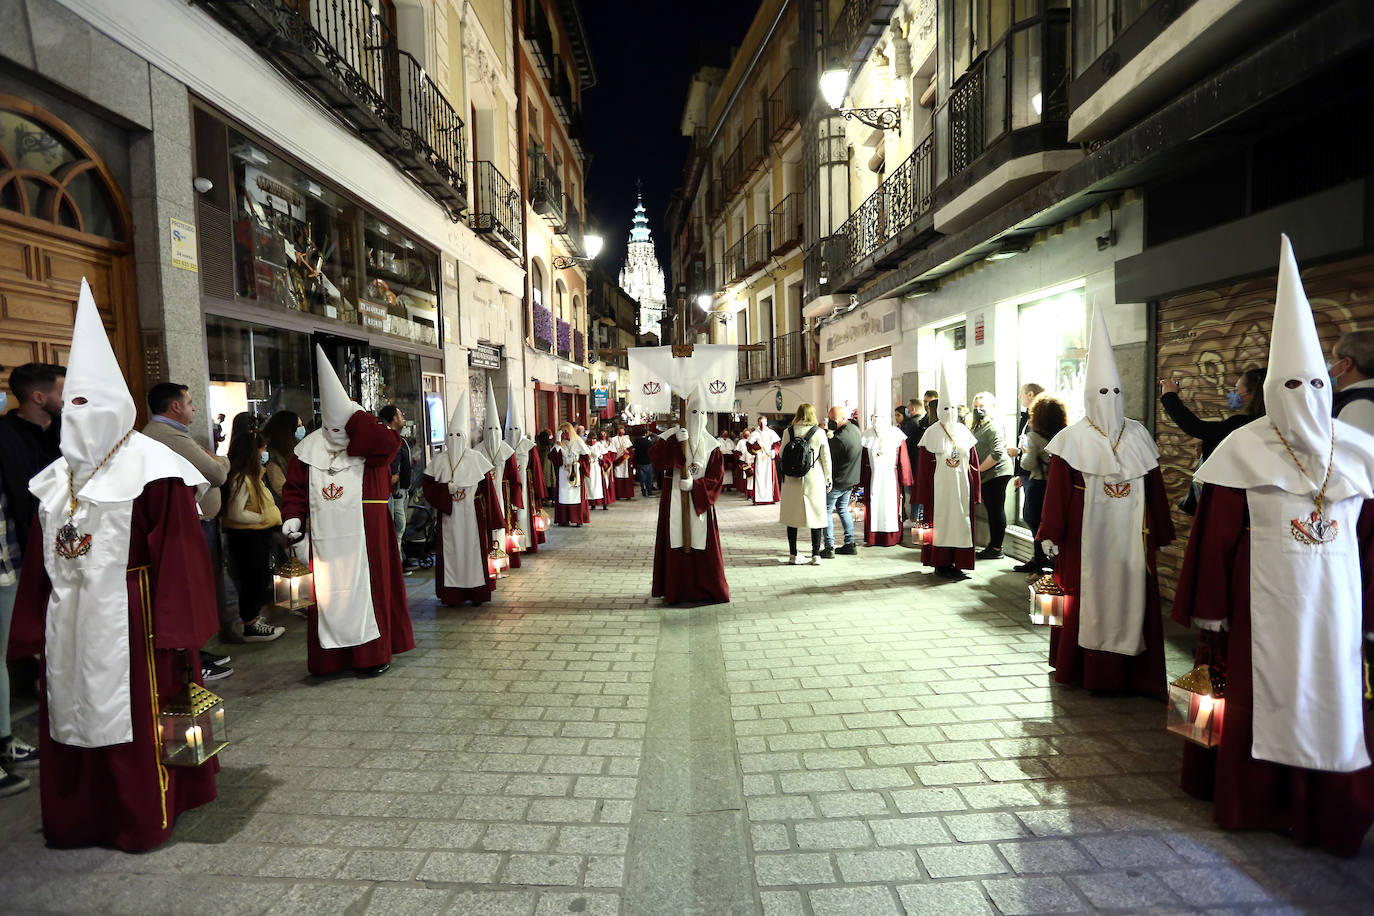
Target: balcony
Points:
(570, 230)
(715, 198)
(496, 211)
(791, 355)
(577, 133)
(906, 195)
(733, 264)
(754, 250)
(859, 26)
(561, 90)
(539, 37)
(342, 55)
(750, 153)
(785, 104)
(546, 187)
(788, 223)
(817, 269)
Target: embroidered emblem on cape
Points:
(953, 461)
(332, 492)
(652, 387)
(461, 495)
(716, 387)
(694, 470)
(71, 543)
(1117, 490)
(1314, 530)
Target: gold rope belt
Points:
(377, 502)
(152, 686)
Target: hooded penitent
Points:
(947, 434)
(1105, 443)
(85, 508)
(460, 465)
(515, 427)
(336, 407)
(698, 448)
(1306, 477)
(494, 446)
(463, 469)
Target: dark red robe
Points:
(512, 497)
(961, 557)
(486, 517)
(902, 471)
(1061, 521)
(572, 513)
(624, 486)
(113, 796)
(1330, 810)
(605, 463)
(378, 445)
(754, 450)
(682, 575)
(535, 469)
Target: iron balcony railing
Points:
(860, 24)
(904, 196)
(540, 37)
(546, 186)
(784, 104)
(788, 222)
(342, 54)
(791, 355)
(562, 92)
(734, 263)
(755, 249)
(756, 365)
(732, 171)
(496, 210)
(715, 198)
(571, 228)
(817, 268)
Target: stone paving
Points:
(861, 738)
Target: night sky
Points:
(644, 52)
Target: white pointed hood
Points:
(515, 427)
(946, 434)
(336, 407)
(493, 446)
(1105, 443)
(99, 409)
(700, 442)
(1254, 455)
(458, 424)
(459, 465)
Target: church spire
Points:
(640, 230)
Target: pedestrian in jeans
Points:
(846, 450)
(392, 418)
(250, 518)
(995, 467)
(803, 498)
(1047, 416)
(644, 465)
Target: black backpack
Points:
(797, 454)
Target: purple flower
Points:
(543, 324)
(564, 336)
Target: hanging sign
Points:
(778, 399)
(183, 235)
(979, 329)
(481, 356)
(601, 397)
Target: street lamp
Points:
(590, 244)
(704, 302)
(834, 86)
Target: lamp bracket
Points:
(877, 118)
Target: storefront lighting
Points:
(250, 153)
(1010, 248)
(311, 188)
(834, 87)
(1037, 102)
(924, 288)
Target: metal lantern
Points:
(1047, 601)
(1197, 702)
(498, 562)
(541, 520)
(515, 540)
(923, 535)
(293, 585)
(191, 727)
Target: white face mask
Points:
(4, 399)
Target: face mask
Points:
(262, 457)
(1234, 400)
(979, 414)
(833, 425)
(300, 433)
(1330, 369)
(4, 399)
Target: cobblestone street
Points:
(861, 738)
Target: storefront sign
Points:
(565, 375)
(979, 329)
(184, 253)
(481, 356)
(601, 397)
(857, 332)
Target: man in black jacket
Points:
(30, 436)
(846, 447)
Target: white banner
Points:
(709, 374)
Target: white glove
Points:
(685, 484)
(292, 528)
(682, 435)
(1051, 548)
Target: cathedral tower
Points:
(641, 277)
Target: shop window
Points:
(1053, 347)
(259, 369)
(401, 296)
(47, 174)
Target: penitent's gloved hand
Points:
(1051, 548)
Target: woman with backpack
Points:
(805, 466)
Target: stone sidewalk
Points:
(861, 738)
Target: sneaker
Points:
(848, 550)
(990, 553)
(261, 631)
(11, 783)
(17, 755)
(829, 552)
(815, 559)
(214, 658)
(794, 560)
(209, 671)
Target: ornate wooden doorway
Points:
(62, 217)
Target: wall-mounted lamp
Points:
(590, 244)
(1010, 248)
(203, 185)
(834, 87)
(704, 302)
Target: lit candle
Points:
(219, 723)
(192, 738)
(1204, 715)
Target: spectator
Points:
(243, 422)
(30, 436)
(218, 430)
(251, 518)
(995, 469)
(803, 498)
(1247, 399)
(282, 431)
(394, 418)
(912, 427)
(846, 449)
(14, 754)
(1047, 416)
(644, 465)
(1029, 392)
(173, 412)
(931, 405)
(1353, 375)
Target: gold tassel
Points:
(152, 689)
